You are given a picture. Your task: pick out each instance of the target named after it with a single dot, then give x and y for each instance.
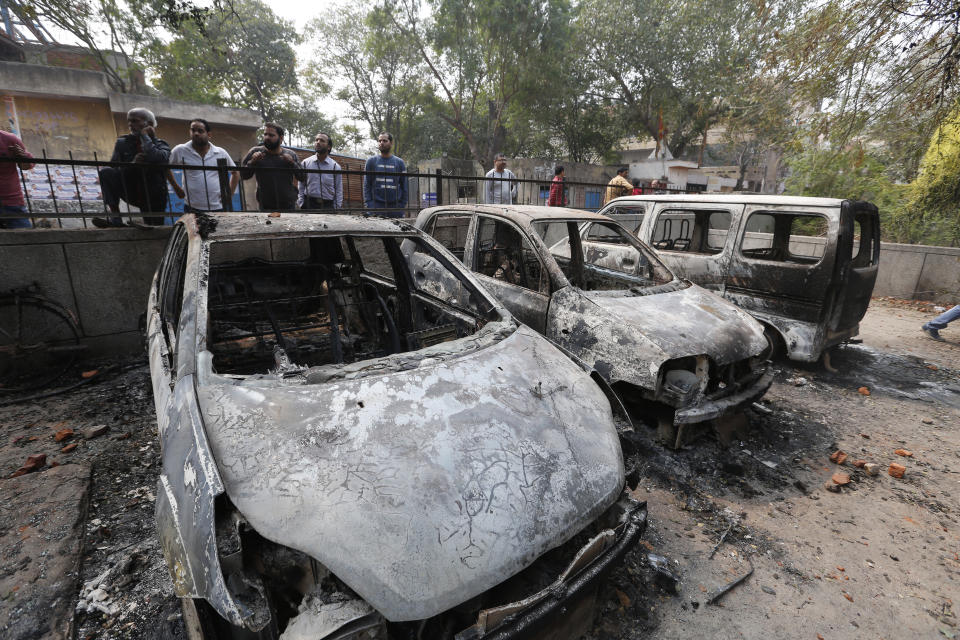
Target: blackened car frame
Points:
(678, 353)
(350, 451)
(804, 267)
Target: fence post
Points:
(439, 187)
(226, 198)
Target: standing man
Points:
(277, 170)
(619, 186)
(321, 190)
(385, 191)
(11, 196)
(142, 186)
(558, 196)
(500, 188)
(201, 189)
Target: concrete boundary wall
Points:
(104, 276)
(919, 271)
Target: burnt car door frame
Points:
(527, 305)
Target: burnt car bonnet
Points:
(686, 322)
(423, 488)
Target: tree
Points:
(381, 75)
(487, 58)
(689, 60)
(932, 214)
(115, 33)
(242, 56)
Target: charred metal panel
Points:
(188, 484)
(627, 337)
(529, 307)
(424, 487)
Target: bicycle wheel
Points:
(39, 341)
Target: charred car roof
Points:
(681, 198)
(237, 226)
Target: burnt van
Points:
(804, 267)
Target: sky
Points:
(300, 13)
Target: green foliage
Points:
(932, 214)
(490, 60)
(241, 56)
(382, 79)
(689, 60)
(852, 173)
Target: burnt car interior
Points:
(691, 231)
(796, 238)
(607, 260)
(292, 303)
(503, 254)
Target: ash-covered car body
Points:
(656, 338)
(804, 267)
(347, 455)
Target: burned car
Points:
(682, 354)
(346, 454)
(804, 267)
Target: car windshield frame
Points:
(630, 282)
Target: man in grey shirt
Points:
(321, 190)
(501, 189)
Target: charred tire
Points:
(39, 342)
(202, 622)
(776, 348)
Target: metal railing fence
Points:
(69, 193)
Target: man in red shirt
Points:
(557, 196)
(11, 196)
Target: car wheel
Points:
(775, 347)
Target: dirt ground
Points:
(877, 560)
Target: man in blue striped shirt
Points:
(385, 191)
(321, 190)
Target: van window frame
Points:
(697, 208)
(775, 213)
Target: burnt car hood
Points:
(688, 321)
(628, 336)
(421, 488)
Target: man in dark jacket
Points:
(138, 185)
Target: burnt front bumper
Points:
(732, 403)
(539, 615)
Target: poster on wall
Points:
(62, 182)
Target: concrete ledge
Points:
(20, 78)
(167, 109)
(61, 236)
(43, 515)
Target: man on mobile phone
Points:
(139, 184)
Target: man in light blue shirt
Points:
(385, 191)
(321, 190)
(500, 188)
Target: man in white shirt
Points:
(321, 190)
(201, 189)
(501, 189)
